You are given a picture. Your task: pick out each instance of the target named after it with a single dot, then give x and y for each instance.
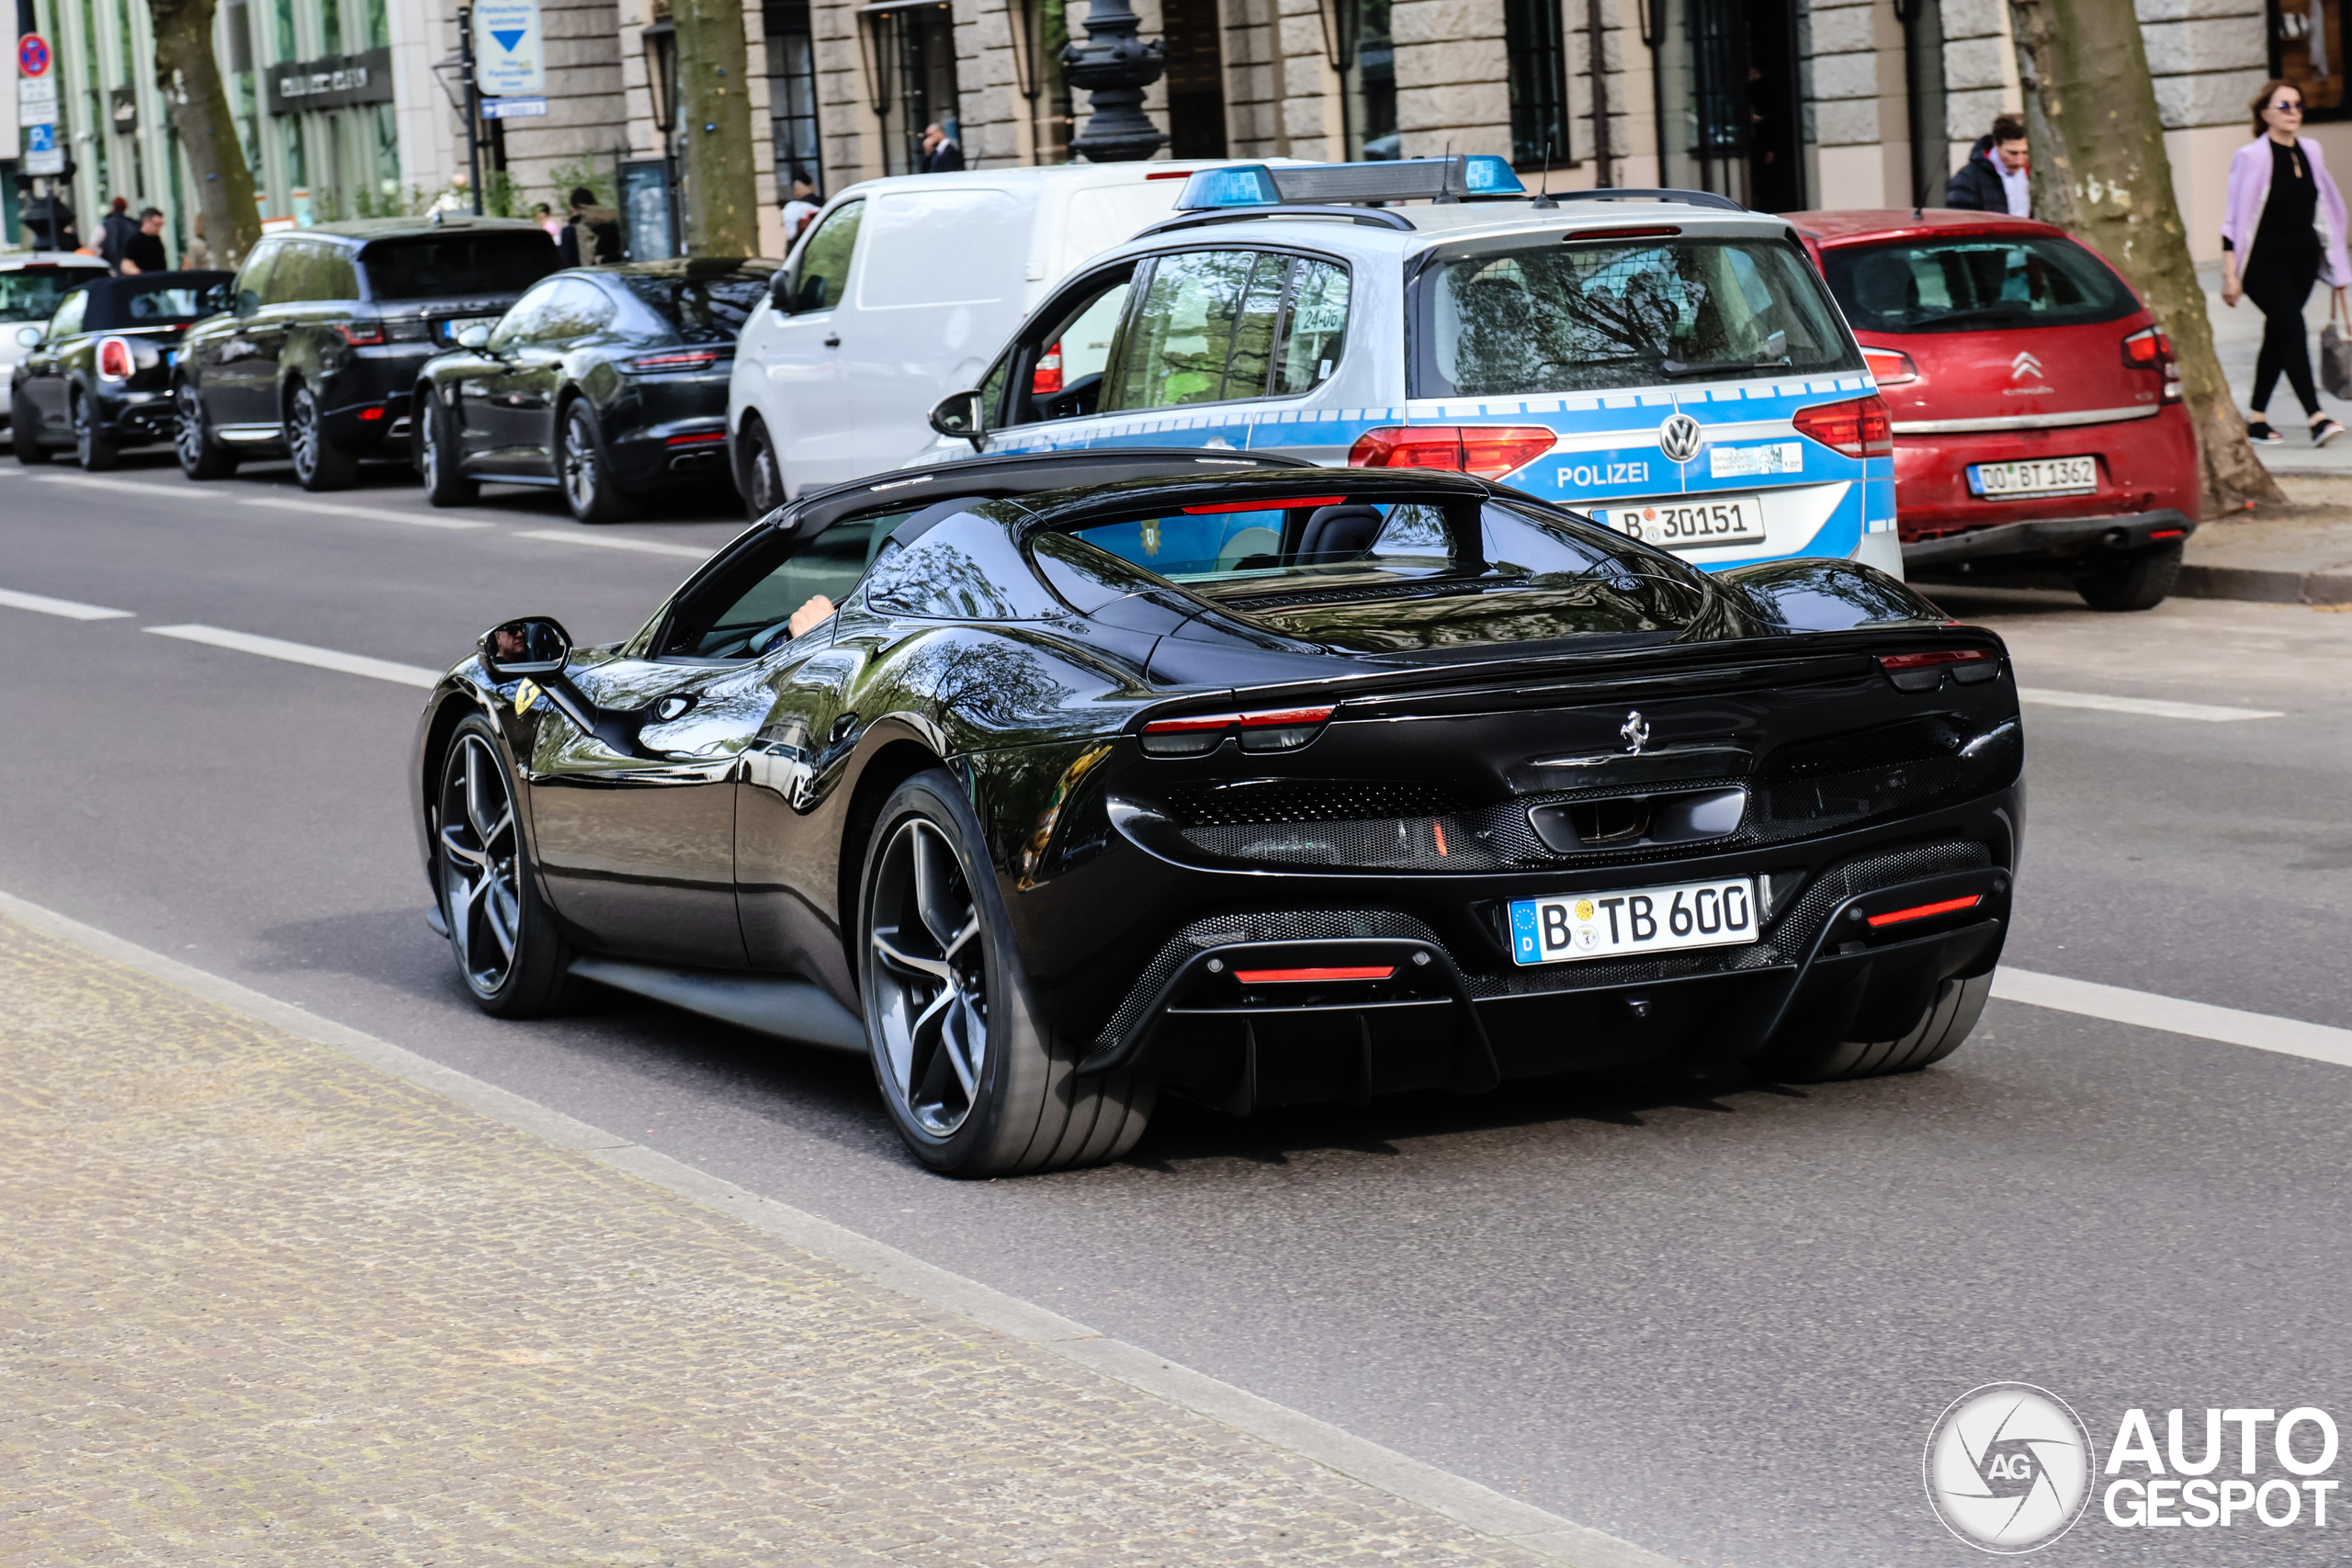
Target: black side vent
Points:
(1250, 802)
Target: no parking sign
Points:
(32, 55)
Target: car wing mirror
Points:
(958, 414)
(29, 337)
(780, 290)
(473, 334)
(247, 302)
(535, 645)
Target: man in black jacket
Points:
(1994, 178)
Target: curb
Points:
(1477, 1507)
(2254, 585)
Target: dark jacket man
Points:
(593, 236)
(1978, 186)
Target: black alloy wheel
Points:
(2140, 581)
(762, 474)
(587, 475)
(512, 957)
(93, 451)
(24, 431)
(319, 463)
(200, 457)
(974, 1080)
(437, 452)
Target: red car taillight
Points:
(2149, 349)
(361, 335)
(1490, 451)
(1267, 729)
(690, 359)
(115, 363)
(1891, 367)
(1859, 427)
(1925, 671)
(1047, 377)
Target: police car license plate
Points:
(1689, 524)
(2033, 476)
(1639, 920)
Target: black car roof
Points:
(1016, 474)
(359, 232)
(107, 294)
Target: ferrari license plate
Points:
(1687, 523)
(2033, 476)
(1639, 920)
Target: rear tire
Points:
(2141, 581)
(762, 479)
(1949, 1019)
(975, 1080)
(24, 433)
(510, 955)
(585, 471)
(437, 453)
(319, 463)
(202, 457)
(93, 451)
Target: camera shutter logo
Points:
(2008, 1468)
(1680, 437)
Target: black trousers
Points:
(2279, 286)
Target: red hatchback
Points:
(2038, 421)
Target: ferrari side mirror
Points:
(535, 645)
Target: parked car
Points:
(98, 378)
(326, 330)
(2037, 419)
(1055, 783)
(897, 293)
(32, 285)
(1665, 362)
(608, 383)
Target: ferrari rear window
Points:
(1981, 284)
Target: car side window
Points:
(333, 275)
(1314, 327)
(68, 319)
(745, 615)
(1065, 359)
(961, 568)
(522, 321)
(1205, 332)
(295, 276)
(252, 290)
(821, 275)
(576, 310)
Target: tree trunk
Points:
(2100, 172)
(722, 187)
(199, 109)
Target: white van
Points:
(899, 293)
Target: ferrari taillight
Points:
(115, 359)
(1046, 379)
(1859, 427)
(1261, 729)
(1490, 451)
(1925, 671)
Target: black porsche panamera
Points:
(1117, 774)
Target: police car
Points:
(1664, 361)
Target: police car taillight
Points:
(1047, 377)
(1859, 427)
(1490, 451)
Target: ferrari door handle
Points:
(844, 727)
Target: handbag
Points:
(2335, 352)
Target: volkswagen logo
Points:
(1680, 437)
(1635, 732)
(2008, 1468)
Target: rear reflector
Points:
(699, 438)
(689, 360)
(1941, 656)
(2168, 532)
(1298, 977)
(1859, 427)
(1490, 451)
(1270, 504)
(1921, 911)
(368, 415)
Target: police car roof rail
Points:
(1375, 217)
(1614, 192)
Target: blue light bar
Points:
(1314, 185)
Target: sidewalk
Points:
(2237, 338)
(261, 1303)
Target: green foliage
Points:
(501, 195)
(589, 170)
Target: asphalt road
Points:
(1713, 1317)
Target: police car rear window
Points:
(1599, 317)
(1982, 284)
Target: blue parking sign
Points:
(41, 139)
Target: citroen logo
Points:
(1680, 437)
(2023, 365)
(1637, 732)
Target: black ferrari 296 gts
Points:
(1107, 774)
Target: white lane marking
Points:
(2154, 707)
(65, 607)
(608, 542)
(374, 514)
(302, 653)
(91, 481)
(2260, 1030)
(1466, 1502)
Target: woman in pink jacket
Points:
(2282, 232)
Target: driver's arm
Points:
(808, 616)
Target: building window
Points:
(1052, 110)
(1196, 78)
(792, 93)
(915, 53)
(2307, 50)
(1538, 71)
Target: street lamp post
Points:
(661, 84)
(1113, 66)
(473, 103)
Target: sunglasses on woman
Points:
(2287, 106)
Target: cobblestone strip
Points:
(261, 1305)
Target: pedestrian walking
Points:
(2282, 230)
(199, 256)
(1997, 176)
(115, 231)
(143, 251)
(544, 216)
(803, 206)
(593, 234)
(941, 153)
